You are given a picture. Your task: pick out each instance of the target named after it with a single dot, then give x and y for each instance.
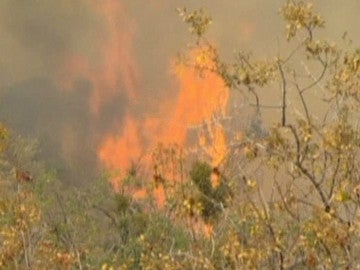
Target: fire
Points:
(120, 150)
(213, 141)
(113, 75)
(208, 230)
(202, 102)
(201, 98)
(140, 194)
(200, 106)
(159, 195)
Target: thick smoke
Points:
(53, 72)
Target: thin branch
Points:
(283, 94)
(333, 177)
(267, 223)
(327, 250)
(292, 53)
(106, 213)
(69, 234)
(297, 142)
(257, 100)
(309, 30)
(303, 103)
(315, 184)
(315, 80)
(26, 255)
(305, 171)
(285, 204)
(265, 106)
(326, 154)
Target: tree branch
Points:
(283, 94)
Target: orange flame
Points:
(113, 73)
(119, 151)
(159, 194)
(213, 141)
(201, 98)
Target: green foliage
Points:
(211, 199)
(292, 201)
(122, 202)
(200, 175)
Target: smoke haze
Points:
(86, 77)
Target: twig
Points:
(315, 80)
(25, 250)
(106, 213)
(283, 94)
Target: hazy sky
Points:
(70, 70)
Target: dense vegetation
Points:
(213, 218)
